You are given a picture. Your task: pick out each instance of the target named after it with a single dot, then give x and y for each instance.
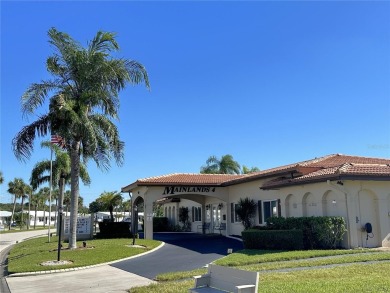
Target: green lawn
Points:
(17, 229)
(350, 277)
(28, 255)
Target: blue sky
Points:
(270, 83)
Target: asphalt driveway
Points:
(182, 252)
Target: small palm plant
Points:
(246, 211)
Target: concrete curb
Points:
(82, 268)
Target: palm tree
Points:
(44, 196)
(60, 172)
(26, 190)
(29, 192)
(110, 200)
(83, 104)
(246, 210)
(36, 200)
(226, 165)
(67, 197)
(17, 188)
(247, 170)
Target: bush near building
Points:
(317, 233)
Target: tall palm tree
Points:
(67, 197)
(29, 192)
(17, 189)
(44, 196)
(26, 191)
(36, 201)
(225, 165)
(83, 104)
(110, 200)
(61, 172)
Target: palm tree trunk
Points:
(44, 215)
(13, 212)
(21, 216)
(29, 210)
(35, 219)
(74, 192)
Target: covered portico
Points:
(208, 190)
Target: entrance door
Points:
(215, 216)
(368, 211)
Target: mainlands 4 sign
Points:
(187, 189)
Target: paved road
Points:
(182, 252)
(6, 242)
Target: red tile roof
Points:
(319, 169)
(188, 178)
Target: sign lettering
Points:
(187, 189)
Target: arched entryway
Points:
(368, 213)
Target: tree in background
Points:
(247, 170)
(18, 189)
(67, 197)
(246, 211)
(43, 193)
(109, 201)
(84, 101)
(36, 201)
(61, 172)
(225, 165)
(1, 178)
(26, 190)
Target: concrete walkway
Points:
(98, 279)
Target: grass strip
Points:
(28, 255)
(348, 259)
(174, 276)
(253, 256)
(350, 279)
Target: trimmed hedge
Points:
(160, 224)
(318, 232)
(114, 230)
(273, 239)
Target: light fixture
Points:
(220, 206)
(334, 202)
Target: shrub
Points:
(114, 230)
(318, 232)
(246, 210)
(160, 224)
(184, 219)
(273, 239)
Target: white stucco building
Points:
(356, 188)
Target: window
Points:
(196, 214)
(267, 209)
(233, 215)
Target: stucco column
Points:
(148, 220)
(354, 219)
(383, 219)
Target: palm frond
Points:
(103, 41)
(137, 73)
(35, 96)
(23, 142)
